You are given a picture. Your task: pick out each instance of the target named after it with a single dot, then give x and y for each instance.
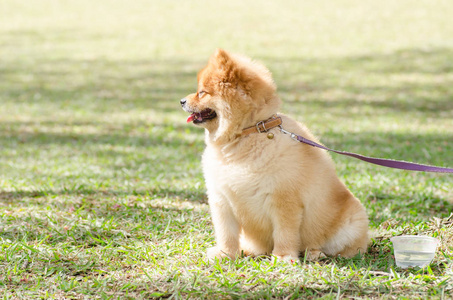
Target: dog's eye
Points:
(201, 94)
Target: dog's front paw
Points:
(291, 259)
(314, 255)
(215, 252)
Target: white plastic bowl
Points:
(414, 250)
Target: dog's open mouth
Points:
(203, 116)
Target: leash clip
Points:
(291, 135)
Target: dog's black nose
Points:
(183, 101)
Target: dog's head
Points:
(233, 93)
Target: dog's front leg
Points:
(286, 220)
(226, 228)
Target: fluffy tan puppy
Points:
(268, 194)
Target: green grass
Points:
(101, 190)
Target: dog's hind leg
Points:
(351, 238)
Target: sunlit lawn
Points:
(101, 190)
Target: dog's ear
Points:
(227, 75)
(222, 58)
(235, 73)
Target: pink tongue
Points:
(191, 118)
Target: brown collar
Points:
(263, 126)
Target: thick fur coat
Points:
(267, 196)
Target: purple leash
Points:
(389, 163)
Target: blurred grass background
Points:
(91, 129)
